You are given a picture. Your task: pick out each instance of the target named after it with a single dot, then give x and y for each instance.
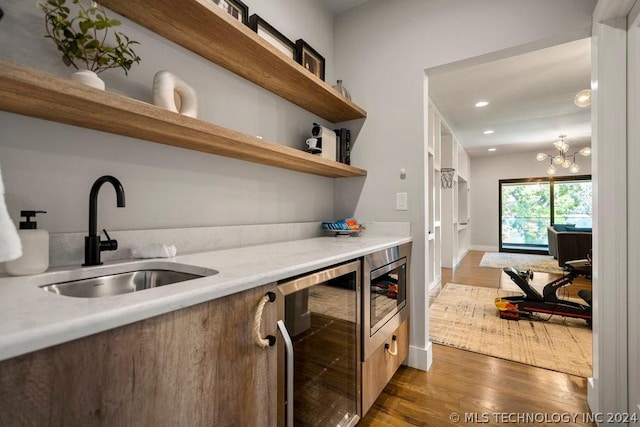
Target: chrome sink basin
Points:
(120, 283)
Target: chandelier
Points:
(583, 98)
(563, 158)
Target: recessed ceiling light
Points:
(488, 132)
(482, 104)
(491, 149)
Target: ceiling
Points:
(530, 100)
(338, 6)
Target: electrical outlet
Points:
(402, 203)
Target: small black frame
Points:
(310, 59)
(273, 36)
(235, 8)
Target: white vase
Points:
(88, 78)
(174, 94)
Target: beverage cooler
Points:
(319, 320)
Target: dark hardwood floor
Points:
(479, 389)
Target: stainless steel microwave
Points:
(385, 295)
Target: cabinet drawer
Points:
(378, 369)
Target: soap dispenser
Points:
(35, 248)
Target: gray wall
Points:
(486, 171)
(51, 166)
(382, 49)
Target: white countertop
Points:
(32, 319)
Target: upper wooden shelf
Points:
(201, 27)
(37, 94)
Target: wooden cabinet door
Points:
(198, 366)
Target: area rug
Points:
(541, 263)
(465, 317)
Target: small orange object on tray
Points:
(346, 226)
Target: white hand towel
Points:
(154, 250)
(10, 246)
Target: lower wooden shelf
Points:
(42, 95)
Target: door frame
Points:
(608, 389)
(633, 157)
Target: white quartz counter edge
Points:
(32, 319)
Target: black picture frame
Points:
(273, 36)
(235, 8)
(310, 59)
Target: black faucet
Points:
(92, 243)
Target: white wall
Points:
(486, 171)
(382, 49)
(51, 166)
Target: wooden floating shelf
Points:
(41, 95)
(203, 28)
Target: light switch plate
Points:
(402, 203)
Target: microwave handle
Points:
(288, 371)
(387, 268)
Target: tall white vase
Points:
(88, 78)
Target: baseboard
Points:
(460, 258)
(592, 395)
(420, 358)
(483, 248)
(434, 291)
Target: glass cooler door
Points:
(321, 317)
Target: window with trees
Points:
(528, 206)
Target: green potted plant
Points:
(82, 36)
